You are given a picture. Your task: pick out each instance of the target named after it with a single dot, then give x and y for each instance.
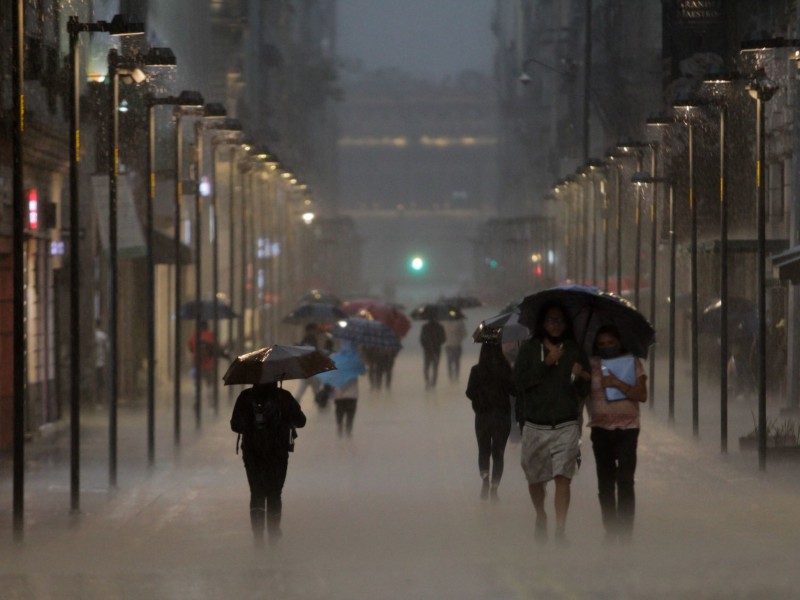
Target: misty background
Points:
(434, 40)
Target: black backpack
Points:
(269, 431)
(266, 417)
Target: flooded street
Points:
(394, 512)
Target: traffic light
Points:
(417, 265)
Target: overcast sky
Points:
(433, 38)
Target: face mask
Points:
(610, 352)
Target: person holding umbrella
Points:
(619, 384)
(551, 376)
(209, 351)
(266, 416)
(344, 380)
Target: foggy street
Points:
(394, 512)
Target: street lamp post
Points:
(761, 89)
(722, 79)
(179, 113)
(18, 267)
(687, 106)
(118, 26)
(155, 57)
(211, 111)
(186, 99)
(228, 133)
(642, 179)
(636, 149)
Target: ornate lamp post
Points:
(118, 26)
(688, 106)
(187, 99)
(119, 66)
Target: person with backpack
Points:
(266, 416)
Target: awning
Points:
(788, 264)
(164, 250)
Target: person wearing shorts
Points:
(552, 377)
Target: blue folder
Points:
(624, 367)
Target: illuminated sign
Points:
(33, 209)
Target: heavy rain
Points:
(363, 299)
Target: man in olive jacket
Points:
(552, 377)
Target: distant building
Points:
(417, 173)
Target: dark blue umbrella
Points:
(366, 332)
(590, 308)
(206, 310)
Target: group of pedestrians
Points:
(552, 380)
(435, 334)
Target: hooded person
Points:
(490, 388)
(344, 380)
(266, 417)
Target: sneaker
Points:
(485, 489)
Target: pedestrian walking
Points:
(209, 350)
(431, 337)
(266, 417)
(619, 385)
(344, 380)
(454, 333)
(490, 388)
(551, 376)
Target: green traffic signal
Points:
(417, 265)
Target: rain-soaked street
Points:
(394, 513)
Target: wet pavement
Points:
(394, 511)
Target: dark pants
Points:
(492, 429)
(453, 361)
(431, 366)
(615, 456)
(266, 476)
(345, 413)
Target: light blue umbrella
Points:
(348, 366)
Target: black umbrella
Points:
(317, 295)
(504, 327)
(742, 318)
(461, 301)
(206, 310)
(277, 363)
(315, 312)
(436, 312)
(590, 308)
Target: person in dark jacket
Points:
(431, 338)
(266, 417)
(490, 388)
(551, 376)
